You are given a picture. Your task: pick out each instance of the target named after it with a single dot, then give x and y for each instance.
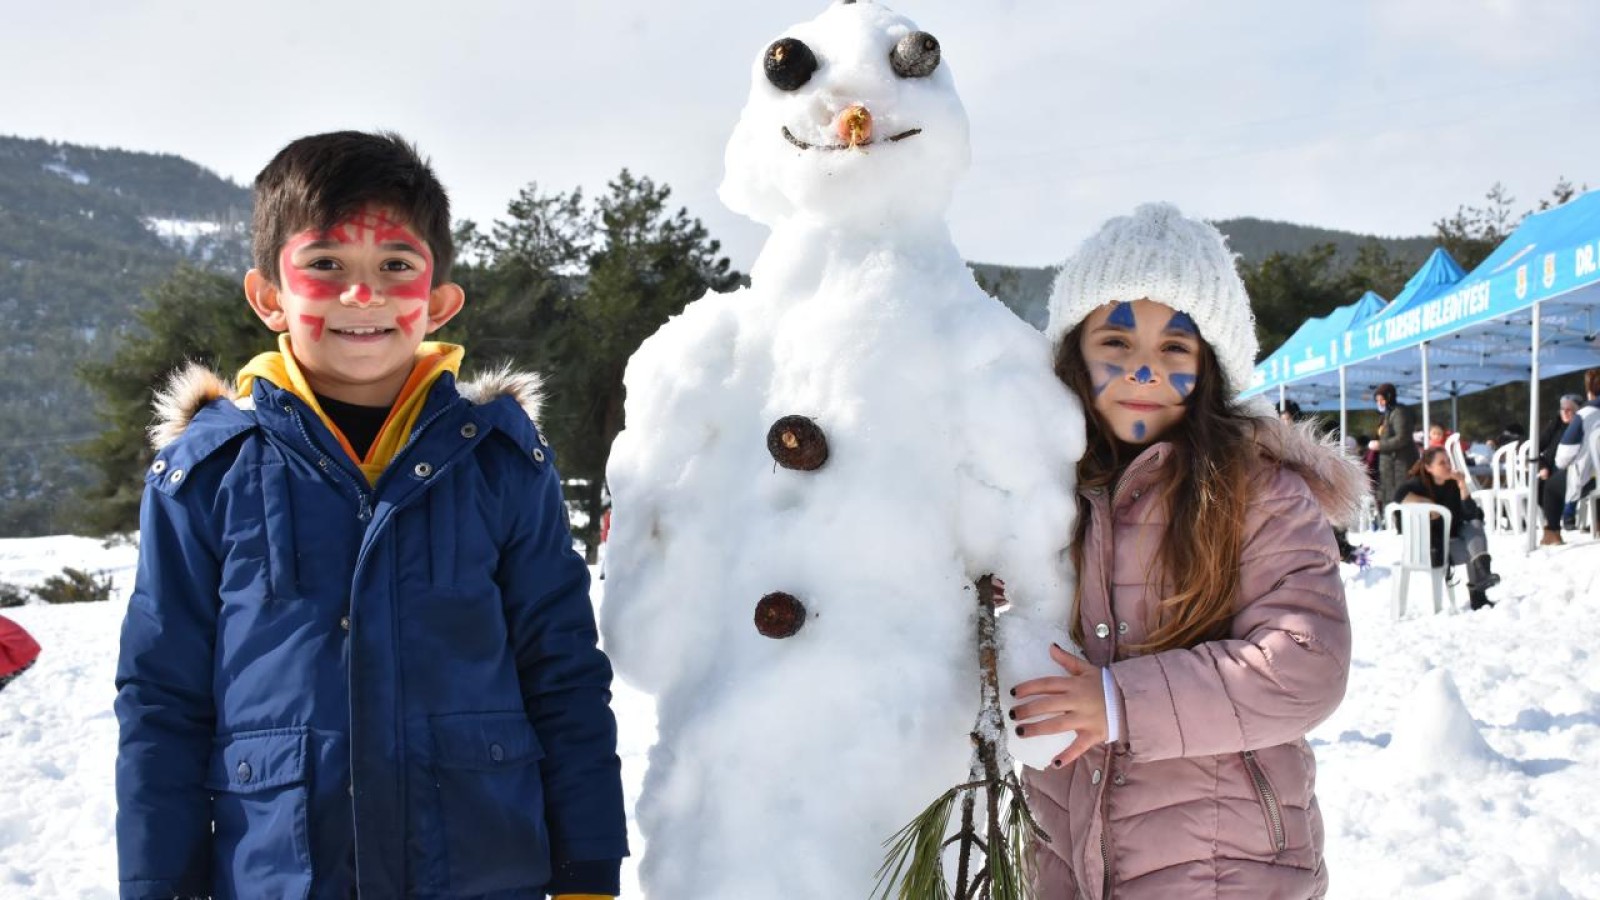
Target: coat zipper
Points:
(1269, 799)
(326, 464)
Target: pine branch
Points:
(913, 868)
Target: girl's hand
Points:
(1073, 702)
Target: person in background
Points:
(1434, 480)
(1209, 603)
(1572, 450)
(1553, 478)
(1395, 443)
(1437, 435)
(18, 650)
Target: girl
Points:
(1433, 480)
(1209, 604)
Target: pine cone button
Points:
(797, 443)
(779, 615)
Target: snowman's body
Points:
(783, 764)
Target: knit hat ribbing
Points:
(1158, 254)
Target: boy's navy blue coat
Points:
(396, 689)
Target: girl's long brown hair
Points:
(1205, 497)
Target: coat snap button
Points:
(538, 455)
(497, 752)
(469, 430)
(1136, 494)
(422, 470)
(1102, 630)
(544, 440)
(158, 466)
(1122, 628)
(176, 476)
(243, 771)
(1118, 780)
(344, 622)
(1095, 778)
(351, 789)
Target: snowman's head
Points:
(853, 119)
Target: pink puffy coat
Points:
(1210, 792)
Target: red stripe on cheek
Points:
(408, 322)
(317, 323)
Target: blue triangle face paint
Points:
(1122, 316)
(1182, 322)
(1113, 372)
(1138, 431)
(1184, 384)
(1144, 375)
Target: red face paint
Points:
(316, 323)
(369, 229)
(408, 322)
(358, 293)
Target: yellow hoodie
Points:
(434, 358)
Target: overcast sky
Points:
(1377, 116)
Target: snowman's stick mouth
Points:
(789, 136)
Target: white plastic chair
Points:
(1416, 538)
(1510, 490)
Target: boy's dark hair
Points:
(319, 180)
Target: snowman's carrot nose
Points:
(854, 126)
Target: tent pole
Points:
(1427, 398)
(1455, 412)
(1533, 432)
(1282, 390)
(1344, 419)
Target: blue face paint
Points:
(1138, 431)
(1182, 322)
(1144, 375)
(1113, 372)
(1122, 316)
(1184, 384)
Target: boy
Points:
(360, 658)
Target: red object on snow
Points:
(18, 649)
(605, 525)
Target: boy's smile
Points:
(1143, 358)
(357, 301)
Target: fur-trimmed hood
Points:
(194, 385)
(1337, 481)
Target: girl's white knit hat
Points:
(1159, 255)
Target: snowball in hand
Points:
(814, 470)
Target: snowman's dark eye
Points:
(790, 64)
(916, 56)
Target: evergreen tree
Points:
(193, 315)
(646, 263)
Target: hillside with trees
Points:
(115, 267)
(83, 232)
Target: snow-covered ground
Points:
(1495, 794)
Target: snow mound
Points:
(1436, 735)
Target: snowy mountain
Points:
(82, 232)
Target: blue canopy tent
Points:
(1526, 312)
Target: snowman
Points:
(814, 471)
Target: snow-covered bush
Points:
(74, 586)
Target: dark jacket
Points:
(326, 687)
(1397, 450)
(1446, 494)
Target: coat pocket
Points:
(1271, 803)
(491, 795)
(262, 842)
